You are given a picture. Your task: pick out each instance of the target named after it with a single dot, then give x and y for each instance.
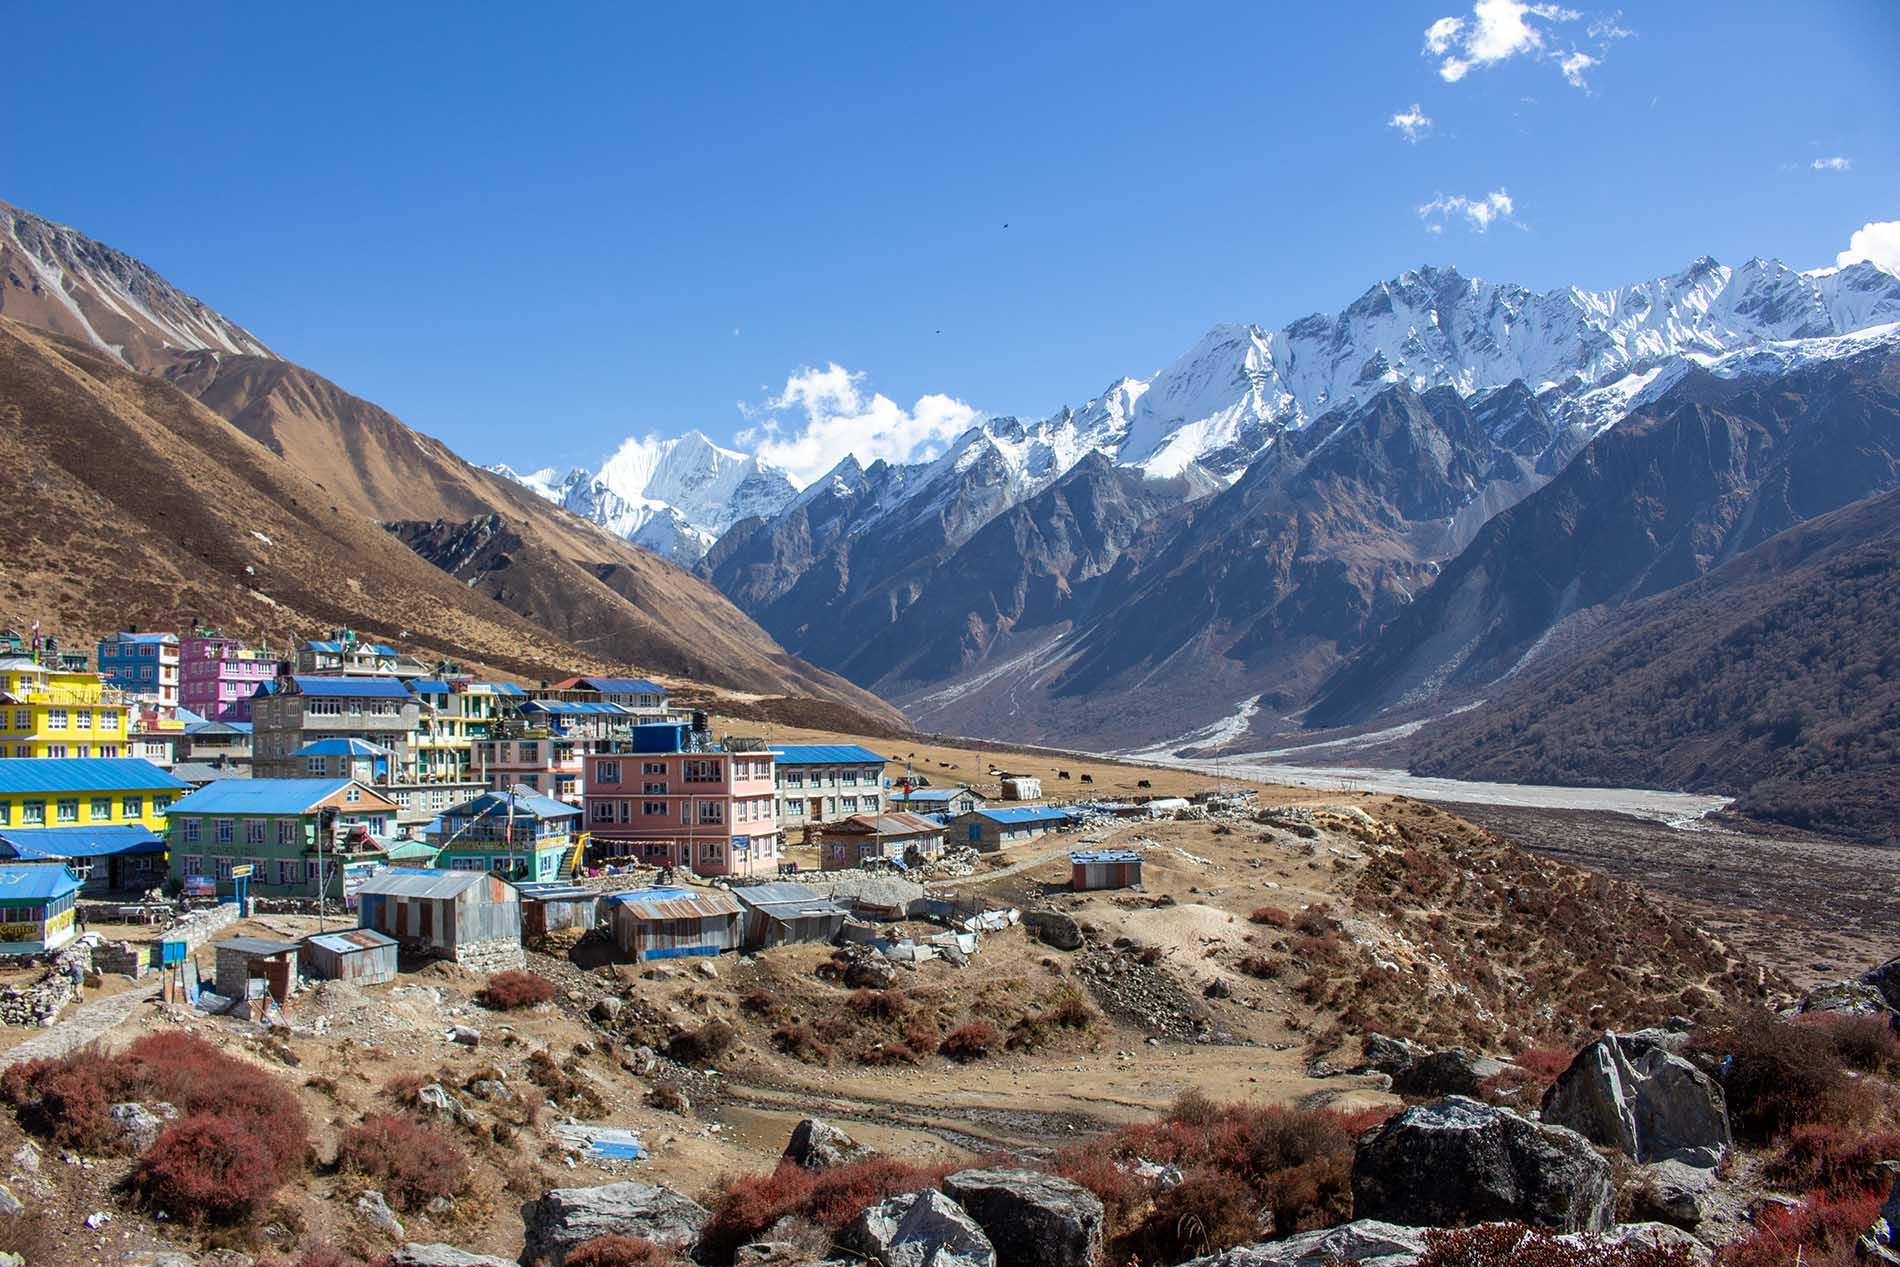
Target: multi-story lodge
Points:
(144, 665)
(821, 782)
(668, 795)
(518, 834)
(58, 713)
(645, 700)
(104, 818)
(296, 710)
(217, 676)
(343, 654)
(542, 746)
(293, 833)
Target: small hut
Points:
(36, 908)
(786, 914)
(471, 917)
(1104, 869)
(673, 923)
(1021, 787)
(242, 960)
(552, 906)
(360, 956)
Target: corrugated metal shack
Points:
(1104, 869)
(472, 917)
(360, 956)
(242, 959)
(787, 914)
(673, 923)
(550, 907)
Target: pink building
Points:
(217, 676)
(668, 796)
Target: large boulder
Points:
(1846, 998)
(1418, 1070)
(435, 1255)
(1675, 1193)
(564, 1217)
(1886, 979)
(1457, 1160)
(918, 1229)
(1033, 1219)
(818, 1145)
(1370, 1243)
(1881, 1244)
(1652, 1106)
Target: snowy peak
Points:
(59, 279)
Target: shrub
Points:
(1315, 921)
(206, 1168)
(742, 1206)
(970, 1042)
(1831, 1160)
(1271, 916)
(1866, 1043)
(1515, 1245)
(619, 1251)
(515, 989)
(574, 1094)
(888, 1053)
(411, 1164)
(1121, 1192)
(1265, 967)
(1779, 1075)
(697, 1046)
(1209, 1210)
(1820, 1232)
(1529, 1076)
(802, 1043)
(881, 1005)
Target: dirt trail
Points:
(81, 1025)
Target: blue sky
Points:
(534, 232)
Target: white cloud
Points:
(1479, 213)
(1499, 30)
(1877, 242)
(832, 415)
(1833, 164)
(1412, 122)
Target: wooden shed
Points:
(1104, 869)
(673, 923)
(786, 914)
(361, 956)
(472, 917)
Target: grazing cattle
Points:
(1087, 778)
(1062, 774)
(1143, 783)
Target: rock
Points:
(1637, 1042)
(1653, 1107)
(490, 1089)
(818, 1145)
(466, 1035)
(1033, 1219)
(1363, 1242)
(918, 1229)
(1460, 1161)
(564, 1217)
(138, 1125)
(642, 1062)
(1390, 1056)
(1673, 1192)
(10, 1259)
(1886, 979)
(1881, 1244)
(871, 973)
(1052, 928)
(436, 1255)
(1453, 1071)
(9, 1204)
(376, 1212)
(606, 1008)
(1846, 998)
(708, 969)
(436, 1097)
(1219, 989)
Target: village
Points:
(629, 969)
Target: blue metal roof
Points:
(342, 748)
(259, 796)
(79, 842)
(84, 774)
(358, 687)
(571, 708)
(431, 686)
(35, 883)
(138, 637)
(622, 686)
(826, 754)
(1024, 814)
(933, 793)
(217, 727)
(501, 804)
(502, 688)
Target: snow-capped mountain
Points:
(673, 497)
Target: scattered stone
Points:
(1052, 928)
(466, 1035)
(606, 1008)
(1653, 1107)
(564, 1217)
(1886, 979)
(1363, 1242)
(98, 1219)
(1460, 1161)
(1846, 998)
(437, 1255)
(1881, 1244)
(708, 969)
(1033, 1219)
(919, 1229)
(818, 1145)
(376, 1212)
(9, 1204)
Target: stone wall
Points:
(128, 959)
(495, 955)
(202, 925)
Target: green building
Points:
(289, 831)
(517, 834)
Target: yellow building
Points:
(48, 712)
(103, 818)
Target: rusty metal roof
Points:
(351, 940)
(256, 946)
(421, 882)
(675, 903)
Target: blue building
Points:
(36, 909)
(142, 663)
(992, 829)
(518, 834)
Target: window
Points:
(316, 767)
(68, 810)
(191, 831)
(288, 831)
(160, 804)
(653, 789)
(607, 772)
(254, 831)
(711, 813)
(224, 867)
(57, 751)
(194, 864)
(653, 767)
(133, 807)
(288, 871)
(352, 794)
(529, 751)
(100, 809)
(6, 813)
(323, 708)
(222, 831)
(110, 750)
(82, 719)
(56, 719)
(23, 719)
(653, 809)
(32, 813)
(703, 771)
(532, 781)
(626, 811)
(792, 778)
(23, 750)
(603, 811)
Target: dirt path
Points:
(79, 1026)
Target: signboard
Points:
(741, 844)
(241, 872)
(200, 886)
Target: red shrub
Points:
(1818, 1233)
(209, 1168)
(1866, 1043)
(1515, 1245)
(515, 989)
(1271, 916)
(1779, 1075)
(620, 1251)
(1208, 1210)
(1529, 1076)
(325, 1255)
(411, 1163)
(882, 1005)
(1831, 1160)
(66, 1099)
(970, 1042)
(1121, 1192)
(745, 1205)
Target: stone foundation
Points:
(125, 958)
(495, 955)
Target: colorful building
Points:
(36, 908)
(142, 664)
(817, 783)
(55, 713)
(221, 741)
(339, 758)
(293, 711)
(895, 837)
(294, 833)
(518, 834)
(343, 654)
(217, 676)
(542, 744)
(103, 817)
(645, 700)
(668, 795)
